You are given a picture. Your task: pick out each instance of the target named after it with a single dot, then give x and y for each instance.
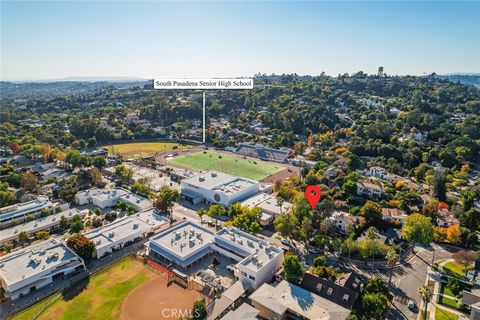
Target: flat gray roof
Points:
(266, 202)
(25, 263)
(184, 238)
(244, 312)
(38, 224)
(117, 230)
(259, 252)
(287, 296)
(25, 207)
(213, 180)
(149, 216)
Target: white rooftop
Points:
(117, 231)
(220, 181)
(18, 266)
(184, 239)
(266, 202)
(258, 252)
(287, 296)
(38, 224)
(21, 209)
(150, 217)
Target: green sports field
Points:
(228, 163)
(142, 149)
(100, 299)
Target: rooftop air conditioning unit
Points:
(110, 235)
(214, 174)
(201, 178)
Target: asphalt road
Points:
(408, 277)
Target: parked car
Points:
(411, 305)
(285, 242)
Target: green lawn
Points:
(101, 297)
(452, 303)
(423, 317)
(31, 312)
(228, 163)
(142, 149)
(441, 314)
(454, 269)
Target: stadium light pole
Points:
(203, 117)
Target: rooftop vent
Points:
(110, 235)
(135, 226)
(201, 178)
(329, 291)
(345, 297)
(319, 287)
(214, 174)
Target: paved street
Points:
(407, 278)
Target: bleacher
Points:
(262, 152)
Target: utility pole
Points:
(203, 117)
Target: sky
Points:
(53, 40)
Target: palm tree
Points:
(280, 202)
(426, 293)
(201, 212)
(392, 258)
(372, 243)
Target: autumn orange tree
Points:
(454, 233)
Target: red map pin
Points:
(313, 194)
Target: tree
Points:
(215, 211)
(426, 293)
(140, 189)
(417, 228)
(377, 285)
(392, 258)
(123, 173)
(293, 268)
(466, 258)
(372, 212)
(319, 261)
(248, 220)
(201, 212)
(131, 209)
(285, 224)
(77, 224)
(199, 310)
(15, 147)
(23, 236)
(430, 209)
(165, 200)
(350, 188)
(42, 235)
(325, 226)
(470, 219)
(7, 198)
(99, 162)
(63, 223)
(454, 233)
(375, 305)
(122, 205)
(439, 185)
(8, 247)
(68, 189)
(95, 176)
(82, 246)
(28, 182)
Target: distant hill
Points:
(47, 90)
(467, 79)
